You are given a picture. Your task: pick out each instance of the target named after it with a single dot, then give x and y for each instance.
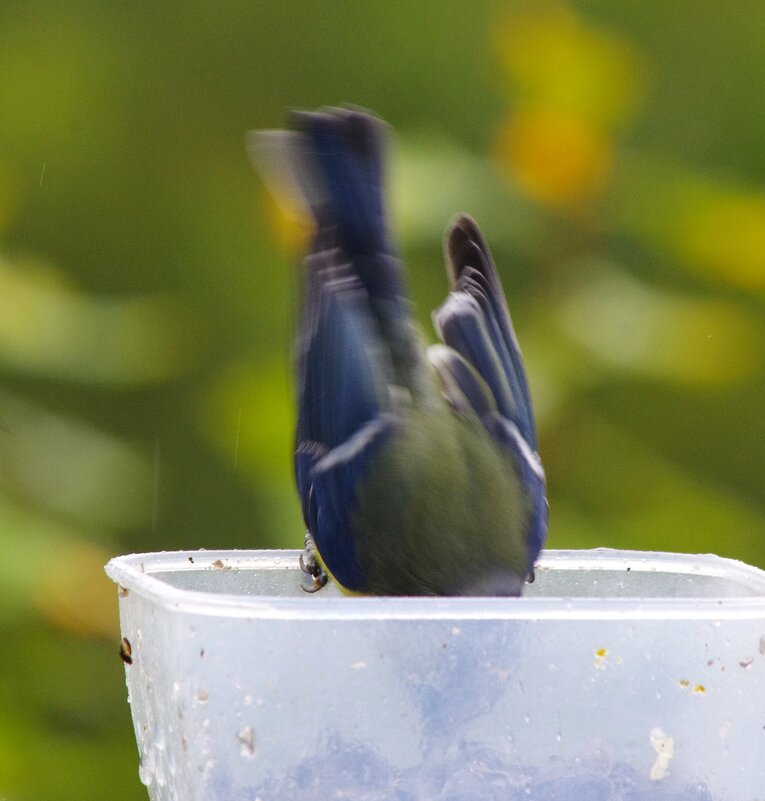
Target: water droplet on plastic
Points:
(146, 767)
(145, 775)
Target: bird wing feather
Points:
(476, 322)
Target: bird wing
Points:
(482, 368)
(353, 338)
(475, 322)
(342, 402)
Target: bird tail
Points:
(331, 166)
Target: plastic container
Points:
(620, 676)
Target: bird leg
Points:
(309, 564)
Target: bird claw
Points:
(315, 577)
(314, 583)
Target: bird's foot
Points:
(315, 577)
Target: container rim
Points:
(141, 573)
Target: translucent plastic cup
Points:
(620, 676)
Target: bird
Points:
(416, 465)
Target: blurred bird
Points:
(416, 466)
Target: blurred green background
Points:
(614, 154)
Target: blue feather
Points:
(346, 147)
(473, 274)
(335, 479)
(463, 326)
(340, 376)
(532, 477)
(461, 385)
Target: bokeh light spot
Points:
(555, 158)
(550, 56)
(680, 339)
(72, 591)
(724, 234)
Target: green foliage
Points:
(611, 151)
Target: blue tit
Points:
(416, 466)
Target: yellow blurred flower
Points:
(707, 226)
(549, 56)
(571, 85)
(724, 234)
(556, 158)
